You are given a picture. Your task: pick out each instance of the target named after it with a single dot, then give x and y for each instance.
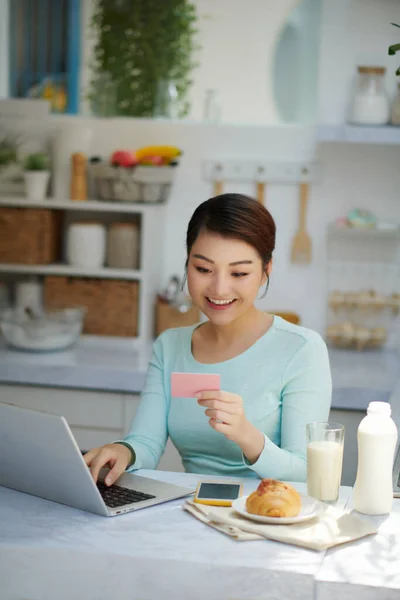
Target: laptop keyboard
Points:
(116, 495)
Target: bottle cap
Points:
(379, 408)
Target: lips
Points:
(217, 304)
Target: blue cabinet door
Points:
(45, 51)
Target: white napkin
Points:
(331, 528)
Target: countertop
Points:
(118, 365)
(52, 551)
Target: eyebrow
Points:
(232, 264)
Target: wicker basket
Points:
(112, 304)
(30, 236)
(168, 317)
(139, 184)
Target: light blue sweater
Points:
(284, 380)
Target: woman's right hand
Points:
(116, 456)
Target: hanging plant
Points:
(139, 44)
(395, 48)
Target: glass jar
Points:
(395, 117)
(370, 103)
(167, 102)
(212, 106)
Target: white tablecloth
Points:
(53, 552)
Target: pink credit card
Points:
(186, 385)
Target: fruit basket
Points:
(136, 184)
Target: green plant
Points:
(8, 150)
(38, 161)
(395, 48)
(138, 44)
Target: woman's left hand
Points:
(226, 413)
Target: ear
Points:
(266, 273)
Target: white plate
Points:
(310, 508)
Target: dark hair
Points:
(238, 217)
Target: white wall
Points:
(354, 32)
(243, 56)
(366, 176)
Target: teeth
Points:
(214, 301)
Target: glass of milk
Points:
(324, 460)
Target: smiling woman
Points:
(275, 376)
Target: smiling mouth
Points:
(221, 303)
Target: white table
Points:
(52, 552)
(368, 569)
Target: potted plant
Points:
(395, 48)
(143, 52)
(37, 175)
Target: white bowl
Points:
(49, 331)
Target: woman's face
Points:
(224, 276)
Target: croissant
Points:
(274, 498)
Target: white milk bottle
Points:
(376, 437)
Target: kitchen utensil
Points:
(45, 332)
(78, 176)
(218, 184)
(260, 192)
(301, 246)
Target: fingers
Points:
(116, 456)
(103, 458)
(231, 408)
(221, 428)
(217, 395)
(221, 416)
(117, 470)
(90, 455)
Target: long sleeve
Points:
(149, 431)
(306, 397)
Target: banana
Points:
(166, 152)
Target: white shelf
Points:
(359, 233)
(359, 134)
(87, 205)
(67, 270)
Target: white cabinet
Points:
(95, 418)
(149, 275)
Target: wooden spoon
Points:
(260, 187)
(301, 246)
(218, 184)
(261, 192)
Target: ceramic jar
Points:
(86, 245)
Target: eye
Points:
(202, 270)
(239, 274)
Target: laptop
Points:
(396, 474)
(39, 456)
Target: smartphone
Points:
(216, 493)
(186, 385)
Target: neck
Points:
(252, 321)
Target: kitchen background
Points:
(283, 74)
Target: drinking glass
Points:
(325, 443)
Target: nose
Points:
(220, 286)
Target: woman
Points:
(275, 376)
